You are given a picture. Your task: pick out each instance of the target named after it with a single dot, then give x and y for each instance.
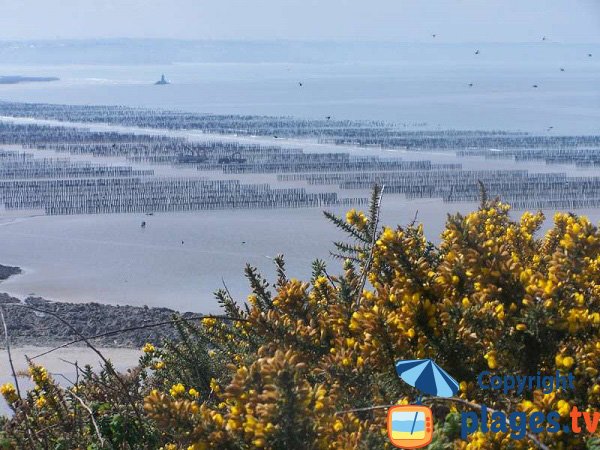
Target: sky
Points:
(568, 21)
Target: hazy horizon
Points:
(291, 40)
(453, 21)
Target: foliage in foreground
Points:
(282, 372)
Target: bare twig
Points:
(331, 280)
(62, 375)
(412, 224)
(89, 410)
(139, 327)
(10, 361)
(75, 409)
(226, 288)
(367, 266)
(366, 408)
(69, 362)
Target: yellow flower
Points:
(350, 215)
(159, 365)
(521, 327)
(40, 402)
(39, 374)
(338, 425)
(214, 386)
(563, 408)
(231, 425)
(194, 393)
(568, 362)
(387, 235)
(209, 322)
(177, 389)
(9, 392)
(148, 348)
(491, 359)
(527, 405)
(558, 359)
(198, 446)
(218, 419)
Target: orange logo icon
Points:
(410, 426)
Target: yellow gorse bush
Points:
(492, 296)
(297, 365)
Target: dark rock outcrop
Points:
(29, 327)
(8, 271)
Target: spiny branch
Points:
(338, 222)
(375, 213)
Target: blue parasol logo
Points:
(411, 426)
(427, 377)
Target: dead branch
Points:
(138, 327)
(89, 410)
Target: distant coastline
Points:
(16, 79)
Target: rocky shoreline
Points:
(29, 327)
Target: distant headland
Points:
(16, 79)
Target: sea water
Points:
(414, 85)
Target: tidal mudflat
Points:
(131, 209)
